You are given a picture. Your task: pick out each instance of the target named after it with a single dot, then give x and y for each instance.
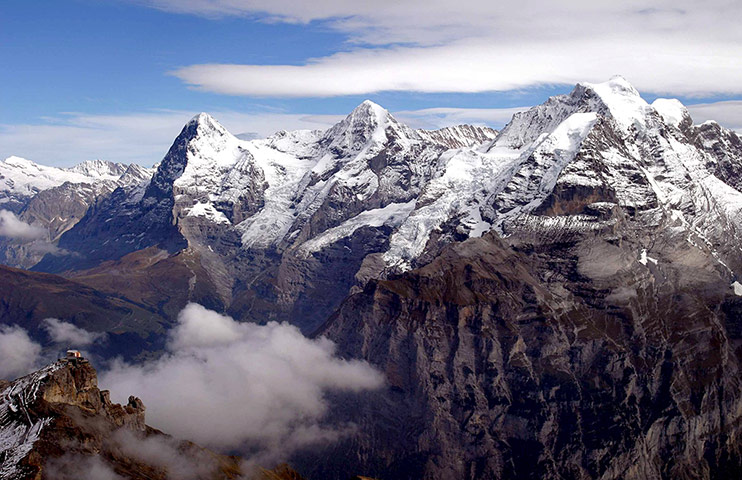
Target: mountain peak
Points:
(366, 123)
(99, 169)
(672, 111)
(203, 123)
(616, 85)
(622, 100)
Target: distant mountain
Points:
(28, 298)
(55, 199)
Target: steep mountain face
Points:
(594, 333)
(55, 423)
(560, 359)
(460, 136)
(55, 199)
(266, 218)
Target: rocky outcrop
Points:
(57, 424)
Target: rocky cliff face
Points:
(565, 359)
(57, 424)
(593, 334)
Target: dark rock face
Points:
(566, 359)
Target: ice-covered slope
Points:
(603, 138)
(21, 178)
(54, 199)
(370, 195)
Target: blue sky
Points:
(115, 78)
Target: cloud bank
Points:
(15, 228)
(231, 385)
(727, 113)
(62, 332)
(72, 467)
(667, 47)
(19, 353)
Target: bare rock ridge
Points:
(55, 423)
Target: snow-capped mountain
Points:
(318, 212)
(21, 179)
(559, 300)
(54, 199)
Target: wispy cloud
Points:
(16, 229)
(261, 388)
(727, 113)
(62, 332)
(674, 47)
(19, 353)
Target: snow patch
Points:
(392, 215)
(672, 111)
(207, 210)
(644, 259)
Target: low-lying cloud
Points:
(62, 332)
(13, 227)
(231, 385)
(76, 466)
(19, 354)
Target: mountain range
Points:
(558, 299)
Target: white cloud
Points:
(727, 113)
(19, 354)
(165, 453)
(665, 65)
(241, 384)
(69, 334)
(73, 466)
(15, 228)
(676, 47)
